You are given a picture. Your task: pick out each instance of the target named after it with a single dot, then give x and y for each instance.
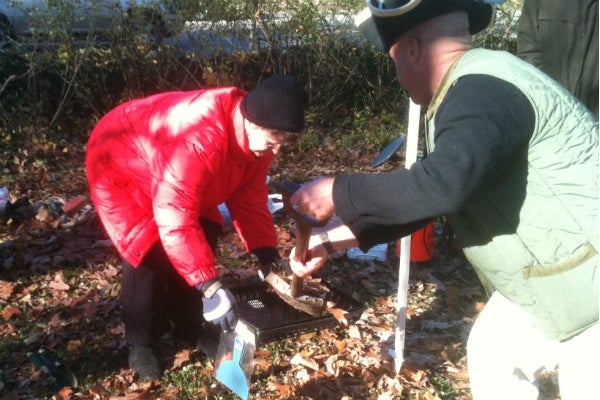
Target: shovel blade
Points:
(235, 355)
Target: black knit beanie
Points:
(278, 103)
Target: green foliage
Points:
(503, 34)
(444, 388)
(188, 384)
(60, 83)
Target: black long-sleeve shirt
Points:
(481, 125)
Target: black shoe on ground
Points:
(144, 362)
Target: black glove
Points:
(218, 304)
(266, 257)
(279, 267)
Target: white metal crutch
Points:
(412, 141)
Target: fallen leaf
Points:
(413, 372)
(328, 335)
(264, 353)
(9, 329)
(6, 289)
(339, 315)
(302, 375)
(332, 365)
(58, 283)
(9, 312)
(261, 364)
(386, 396)
(390, 385)
(459, 374)
(299, 360)
(282, 390)
(99, 391)
(74, 345)
(452, 352)
(386, 301)
(181, 358)
(305, 337)
(353, 332)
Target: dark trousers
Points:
(155, 295)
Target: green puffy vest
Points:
(533, 235)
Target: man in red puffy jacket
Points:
(158, 168)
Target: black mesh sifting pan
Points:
(270, 317)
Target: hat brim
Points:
(365, 24)
(481, 16)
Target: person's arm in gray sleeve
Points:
(528, 41)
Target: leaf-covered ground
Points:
(60, 285)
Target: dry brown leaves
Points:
(78, 314)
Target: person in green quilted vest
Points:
(512, 161)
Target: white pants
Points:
(505, 352)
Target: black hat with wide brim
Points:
(383, 23)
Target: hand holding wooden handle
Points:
(304, 225)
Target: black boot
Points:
(144, 362)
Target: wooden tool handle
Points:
(302, 239)
(296, 286)
(304, 225)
